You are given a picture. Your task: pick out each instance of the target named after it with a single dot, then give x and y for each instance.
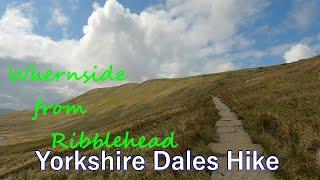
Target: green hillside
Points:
(279, 105)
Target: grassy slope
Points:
(153, 108)
(279, 105)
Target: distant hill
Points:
(279, 105)
(5, 110)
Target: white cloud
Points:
(16, 20)
(155, 41)
(300, 15)
(180, 32)
(59, 18)
(177, 33)
(303, 13)
(176, 39)
(95, 5)
(298, 52)
(219, 67)
(17, 40)
(280, 49)
(256, 54)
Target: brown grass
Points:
(279, 106)
(169, 108)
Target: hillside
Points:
(279, 105)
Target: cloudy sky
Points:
(148, 38)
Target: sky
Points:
(147, 38)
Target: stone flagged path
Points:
(233, 137)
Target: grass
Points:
(153, 108)
(279, 106)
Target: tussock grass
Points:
(280, 107)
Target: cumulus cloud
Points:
(59, 18)
(177, 38)
(298, 52)
(155, 41)
(179, 32)
(95, 5)
(17, 40)
(17, 19)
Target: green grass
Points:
(279, 106)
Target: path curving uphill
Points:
(232, 136)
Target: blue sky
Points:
(77, 10)
(150, 38)
(270, 29)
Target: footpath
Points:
(232, 136)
